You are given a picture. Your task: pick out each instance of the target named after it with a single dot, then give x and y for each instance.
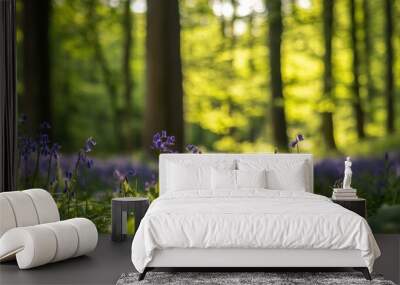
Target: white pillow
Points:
(294, 180)
(282, 174)
(181, 177)
(223, 179)
(251, 178)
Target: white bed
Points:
(217, 224)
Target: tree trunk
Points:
(275, 29)
(127, 76)
(107, 74)
(251, 43)
(357, 106)
(164, 98)
(36, 100)
(367, 53)
(327, 116)
(256, 123)
(389, 82)
(222, 24)
(233, 39)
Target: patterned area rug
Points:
(229, 278)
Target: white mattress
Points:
(252, 219)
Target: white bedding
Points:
(250, 218)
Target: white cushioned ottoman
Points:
(31, 232)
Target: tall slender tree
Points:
(164, 98)
(36, 96)
(389, 80)
(256, 123)
(251, 42)
(275, 30)
(367, 52)
(127, 75)
(222, 21)
(327, 116)
(106, 71)
(356, 102)
(232, 22)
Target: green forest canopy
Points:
(226, 73)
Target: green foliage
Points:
(225, 80)
(128, 190)
(96, 210)
(153, 191)
(386, 220)
(225, 68)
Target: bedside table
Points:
(358, 206)
(120, 207)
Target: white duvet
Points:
(250, 219)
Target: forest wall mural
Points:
(106, 85)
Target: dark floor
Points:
(110, 260)
(103, 266)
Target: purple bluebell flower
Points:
(44, 139)
(26, 147)
(296, 141)
(118, 175)
(89, 163)
(293, 144)
(90, 143)
(45, 125)
(55, 148)
(171, 140)
(131, 173)
(45, 151)
(193, 149)
(156, 137)
(68, 175)
(163, 143)
(150, 184)
(43, 144)
(124, 177)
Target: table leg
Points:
(124, 220)
(116, 216)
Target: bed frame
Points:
(246, 259)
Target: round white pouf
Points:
(67, 240)
(30, 230)
(46, 207)
(7, 218)
(40, 244)
(87, 235)
(33, 246)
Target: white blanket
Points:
(250, 219)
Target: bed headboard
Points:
(215, 158)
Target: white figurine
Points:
(347, 174)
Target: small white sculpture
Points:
(347, 174)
